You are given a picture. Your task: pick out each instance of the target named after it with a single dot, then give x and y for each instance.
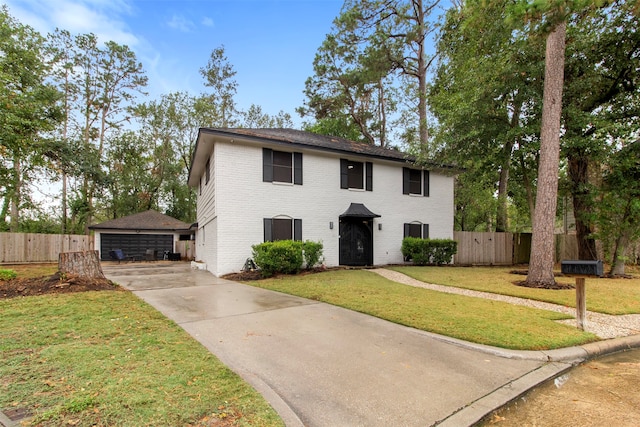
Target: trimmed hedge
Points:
(286, 256)
(429, 251)
(312, 253)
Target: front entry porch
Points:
(356, 236)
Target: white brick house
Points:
(359, 200)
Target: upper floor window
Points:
(282, 229)
(207, 169)
(415, 181)
(416, 229)
(356, 175)
(281, 166)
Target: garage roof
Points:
(149, 221)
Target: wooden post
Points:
(581, 302)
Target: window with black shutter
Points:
(282, 229)
(356, 175)
(415, 181)
(281, 166)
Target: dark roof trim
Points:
(358, 210)
(155, 230)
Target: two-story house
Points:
(359, 200)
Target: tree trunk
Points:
(528, 187)
(63, 228)
(423, 126)
(579, 174)
(16, 196)
(382, 115)
(80, 264)
(617, 265)
(502, 216)
(542, 242)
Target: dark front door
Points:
(356, 242)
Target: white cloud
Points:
(207, 22)
(101, 17)
(181, 23)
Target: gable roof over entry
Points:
(358, 210)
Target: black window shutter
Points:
(267, 165)
(405, 180)
(268, 235)
(297, 229)
(425, 231)
(369, 176)
(426, 184)
(344, 174)
(406, 229)
(297, 168)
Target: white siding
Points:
(206, 218)
(233, 219)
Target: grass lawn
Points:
(108, 359)
(471, 319)
(609, 296)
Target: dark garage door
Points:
(135, 244)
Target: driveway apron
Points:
(321, 365)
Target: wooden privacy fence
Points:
(32, 247)
(186, 249)
(476, 248)
(492, 248)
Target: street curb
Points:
(559, 362)
(601, 348)
(473, 413)
(574, 355)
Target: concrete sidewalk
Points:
(321, 365)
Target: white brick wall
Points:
(243, 200)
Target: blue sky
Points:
(270, 43)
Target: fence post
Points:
(581, 302)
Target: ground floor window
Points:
(282, 229)
(416, 229)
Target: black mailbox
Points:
(582, 268)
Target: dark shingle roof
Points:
(358, 210)
(312, 140)
(300, 140)
(148, 220)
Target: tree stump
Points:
(80, 264)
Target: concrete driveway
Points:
(320, 365)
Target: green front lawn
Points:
(109, 359)
(609, 296)
(471, 319)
